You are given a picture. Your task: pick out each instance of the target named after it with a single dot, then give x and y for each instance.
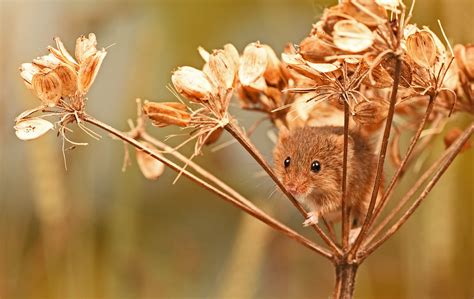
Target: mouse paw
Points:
(353, 234)
(311, 220)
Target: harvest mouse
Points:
(309, 162)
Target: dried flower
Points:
(150, 167)
(193, 84)
(253, 65)
(167, 113)
(421, 48)
(32, 128)
(222, 69)
(369, 113)
(465, 59)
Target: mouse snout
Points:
(296, 188)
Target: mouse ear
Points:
(284, 133)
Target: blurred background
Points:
(94, 231)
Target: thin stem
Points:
(451, 154)
(381, 160)
(401, 167)
(345, 206)
(242, 139)
(257, 213)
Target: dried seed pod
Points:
(452, 135)
(465, 59)
(167, 113)
(214, 136)
(48, 87)
(68, 78)
(421, 48)
(221, 69)
(253, 64)
(368, 113)
(352, 36)
(204, 54)
(62, 54)
(32, 128)
(272, 73)
(314, 49)
(150, 167)
(89, 69)
(389, 4)
(193, 84)
(406, 75)
(85, 47)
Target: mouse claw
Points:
(311, 220)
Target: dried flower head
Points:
(193, 84)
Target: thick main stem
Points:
(345, 280)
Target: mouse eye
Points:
(315, 166)
(287, 162)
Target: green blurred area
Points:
(95, 232)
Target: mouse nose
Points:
(292, 188)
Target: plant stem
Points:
(381, 159)
(345, 280)
(450, 154)
(345, 207)
(248, 146)
(257, 213)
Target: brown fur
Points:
(321, 192)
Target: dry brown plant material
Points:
(150, 167)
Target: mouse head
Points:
(309, 160)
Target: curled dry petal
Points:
(352, 36)
(367, 12)
(27, 71)
(48, 86)
(62, 54)
(68, 78)
(150, 167)
(221, 69)
(253, 64)
(89, 70)
(193, 84)
(167, 113)
(48, 61)
(421, 48)
(85, 47)
(32, 128)
(204, 54)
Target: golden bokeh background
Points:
(95, 232)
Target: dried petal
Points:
(204, 54)
(167, 113)
(406, 76)
(314, 49)
(150, 167)
(32, 128)
(253, 64)
(48, 86)
(62, 54)
(389, 4)
(452, 136)
(367, 113)
(48, 61)
(89, 70)
(68, 78)
(85, 47)
(421, 48)
(222, 69)
(465, 59)
(352, 36)
(193, 84)
(273, 73)
(232, 53)
(214, 136)
(27, 71)
(367, 12)
(324, 67)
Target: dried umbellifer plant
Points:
(362, 64)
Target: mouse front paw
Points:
(312, 219)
